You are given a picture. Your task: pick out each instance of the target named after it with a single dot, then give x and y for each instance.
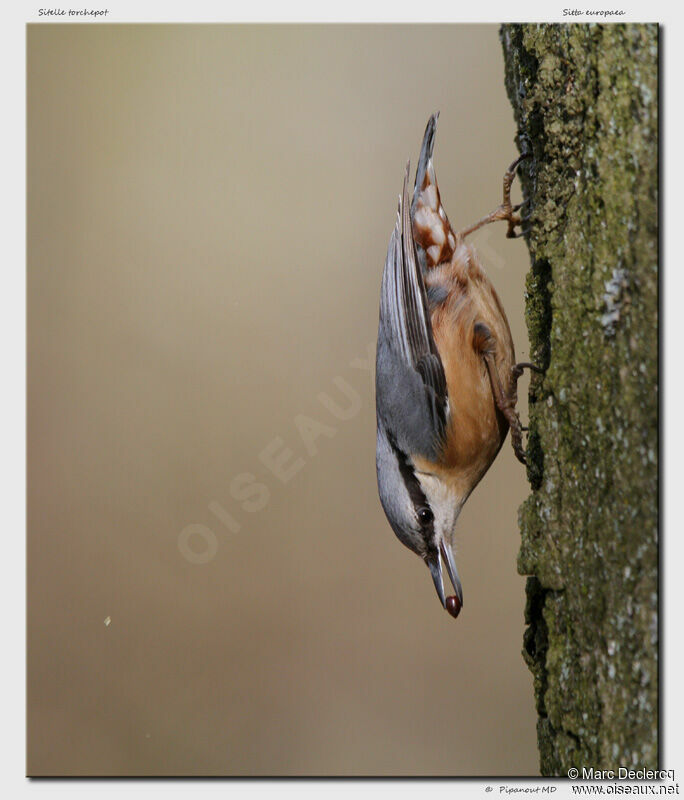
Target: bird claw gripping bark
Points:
(505, 211)
(513, 418)
(509, 212)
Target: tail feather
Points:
(425, 157)
(435, 240)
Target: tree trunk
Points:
(585, 100)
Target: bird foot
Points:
(507, 399)
(509, 213)
(505, 211)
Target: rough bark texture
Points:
(585, 100)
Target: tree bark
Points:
(585, 101)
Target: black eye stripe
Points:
(415, 490)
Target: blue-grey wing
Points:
(411, 390)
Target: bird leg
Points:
(506, 402)
(505, 210)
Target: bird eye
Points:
(425, 516)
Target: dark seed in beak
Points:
(453, 605)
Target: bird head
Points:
(422, 509)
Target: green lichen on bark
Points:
(585, 101)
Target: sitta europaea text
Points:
(446, 376)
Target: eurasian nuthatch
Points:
(446, 377)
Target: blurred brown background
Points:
(209, 209)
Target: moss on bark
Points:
(585, 100)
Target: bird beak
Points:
(448, 556)
(434, 562)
